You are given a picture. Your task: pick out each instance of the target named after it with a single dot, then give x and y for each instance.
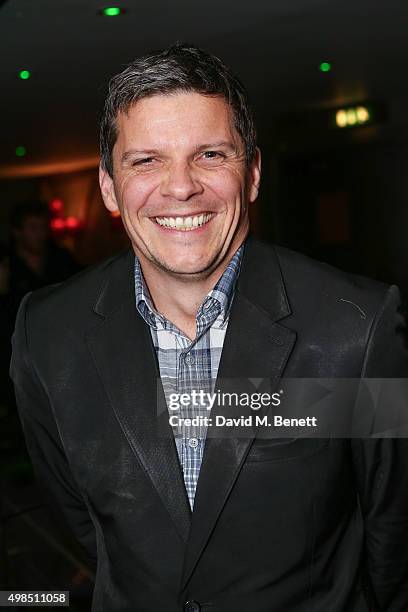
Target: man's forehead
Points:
(178, 110)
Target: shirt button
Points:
(207, 305)
(193, 442)
(189, 359)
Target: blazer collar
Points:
(260, 281)
(118, 284)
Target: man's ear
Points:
(254, 176)
(107, 190)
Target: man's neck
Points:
(178, 299)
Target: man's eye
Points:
(212, 155)
(143, 161)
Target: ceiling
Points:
(274, 45)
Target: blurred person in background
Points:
(35, 259)
(31, 261)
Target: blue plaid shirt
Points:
(186, 364)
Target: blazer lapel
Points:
(124, 355)
(255, 346)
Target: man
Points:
(32, 261)
(35, 260)
(199, 522)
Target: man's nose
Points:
(180, 182)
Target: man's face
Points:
(181, 183)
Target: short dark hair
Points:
(182, 68)
(28, 208)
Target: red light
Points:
(56, 205)
(71, 223)
(57, 224)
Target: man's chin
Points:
(186, 269)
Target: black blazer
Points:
(304, 525)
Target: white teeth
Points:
(184, 223)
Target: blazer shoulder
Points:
(345, 322)
(71, 299)
(312, 279)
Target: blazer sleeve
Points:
(381, 468)
(43, 440)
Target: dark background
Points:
(339, 195)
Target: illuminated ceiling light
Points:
(351, 117)
(325, 66)
(111, 11)
(354, 116)
(71, 223)
(24, 74)
(362, 114)
(56, 205)
(341, 118)
(20, 151)
(57, 224)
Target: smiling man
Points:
(176, 519)
(182, 182)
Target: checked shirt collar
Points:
(217, 301)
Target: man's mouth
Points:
(185, 223)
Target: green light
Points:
(111, 11)
(24, 74)
(325, 67)
(20, 151)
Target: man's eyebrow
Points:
(217, 145)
